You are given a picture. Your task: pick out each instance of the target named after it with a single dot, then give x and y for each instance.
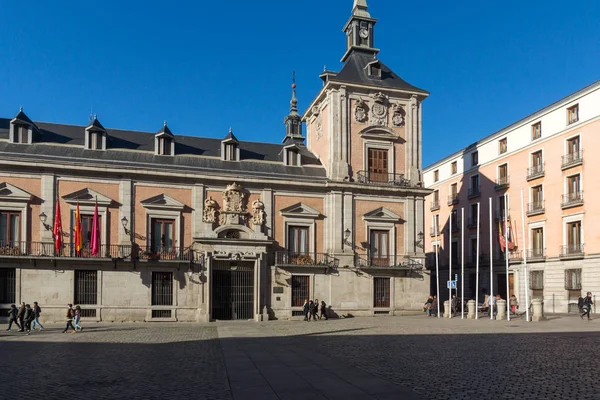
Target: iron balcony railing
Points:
(389, 261)
(502, 182)
(453, 199)
(572, 199)
(47, 249)
(304, 259)
(435, 205)
(571, 250)
(536, 207)
(537, 171)
(572, 159)
(536, 254)
(161, 253)
(382, 178)
(474, 192)
(432, 232)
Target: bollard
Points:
(501, 307)
(471, 309)
(538, 310)
(446, 309)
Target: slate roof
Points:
(354, 71)
(131, 148)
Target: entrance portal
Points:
(232, 290)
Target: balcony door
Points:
(574, 237)
(537, 242)
(10, 232)
(380, 248)
(378, 165)
(298, 240)
(163, 234)
(574, 187)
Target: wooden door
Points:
(378, 165)
(380, 244)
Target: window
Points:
(455, 254)
(375, 70)
(380, 247)
(436, 175)
(537, 242)
(292, 158)
(536, 131)
(21, 134)
(474, 158)
(86, 287)
(8, 285)
(454, 167)
(300, 290)
(378, 165)
(573, 114)
(87, 223)
(435, 229)
(573, 237)
(435, 203)
(162, 235)
(162, 288)
(502, 146)
(10, 228)
(502, 207)
(574, 187)
(537, 195)
(473, 220)
(96, 141)
(298, 240)
(573, 145)
(381, 292)
(454, 189)
(473, 250)
(502, 175)
(573, 279)
(474, 189)
(454, 219)
(230, 152)
(536, 284)
(536, 159)
(164, 146)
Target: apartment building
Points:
(550, 157)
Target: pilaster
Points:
(267, 199)
(337, 221)
(48, 187)
(126, 210)
(197, 209)
(349, 221)
(410, 227)
(420, 222)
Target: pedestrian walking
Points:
(12, 317)
(36, 316)
(311, 309)
(305, 309)
(323, 310)
(28, 318)
(316, 310)
(21, 317)
(70, 315)
(77, 318)
(587, 305)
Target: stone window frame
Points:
(87, 208)
(173, 307)
(536, 225)
(379, 145)
(305, 222)
(19, 202)
(566, 220)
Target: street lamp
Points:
(124, 222)
(43, 219)
(419, 242)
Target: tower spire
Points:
(360, 9)
(294, 101)
(293, 122)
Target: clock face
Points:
(364, 33)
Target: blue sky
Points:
(206, 66)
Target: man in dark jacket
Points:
(323, 310)
(12, 317)
(311, 309)
(36, 316)
(28, 318)
(21, 317)
(305, 309)
(587, 305)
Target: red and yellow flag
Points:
(77, 232)
(57, 231)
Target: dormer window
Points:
(95, 136)
(374, 69)
(21, 134)
(164, 146)
(292, 158)
(230, 150)
(21, 129)
(164, 142)
(96, 139)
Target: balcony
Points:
(535, 172)
(534, 255)
(502, 183)
(572, 200)
(535, 208)
(383, 179)
(571, 251)
(453, 199)
(306, 260)
(474, 192)
(46, 249)
(499, 215)
(515, 256)
(432, 232)
(472, 222)
(161, 253)
(364, 261)
(572, 160)
(435, 205)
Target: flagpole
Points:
(437, 264)
(450, 269)
(525, 259)
(477, 269)
(506, 248)
(462, 274)
(491, 258)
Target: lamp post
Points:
(43, 219)
(347, 234)
(419, 242)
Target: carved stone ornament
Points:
(319, 126)
(398, 114)
(316, 110)
(379, 109)
(210, 211)
(233, 198)
(360, 111)
(258, 212)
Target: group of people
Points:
(26, 318)
(315, 310)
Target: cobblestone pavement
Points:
(357, 358)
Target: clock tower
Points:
(359, 30)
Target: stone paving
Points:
(358, 358)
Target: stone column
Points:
(337, 221)
(471, 309)
(48, 186)
(126, 211)
(446, 309)
(197, 209)
(267, 199)
(538, 310)
(501, 307)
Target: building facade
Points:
(198, 229)
(549, 156)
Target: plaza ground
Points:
(410, 357)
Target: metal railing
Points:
(161, 253)
(47, 249)
(571, 250)
(537, 171)
(536, 254)
(453, 199)
(382, 178)
(535, 207)
(474, 192)
(572, 159)
(390, 261)
(502, 182)
(435, 205)
(572, 199)
(305, 259)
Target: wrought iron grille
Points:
(86, 287)
(300, 290)
(162, 288)
(7, 285)
(381, 292)
(233, 290)
(161, 313)
(88, 313)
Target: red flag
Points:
(95, 245)
(57, 228)
(78, 233)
